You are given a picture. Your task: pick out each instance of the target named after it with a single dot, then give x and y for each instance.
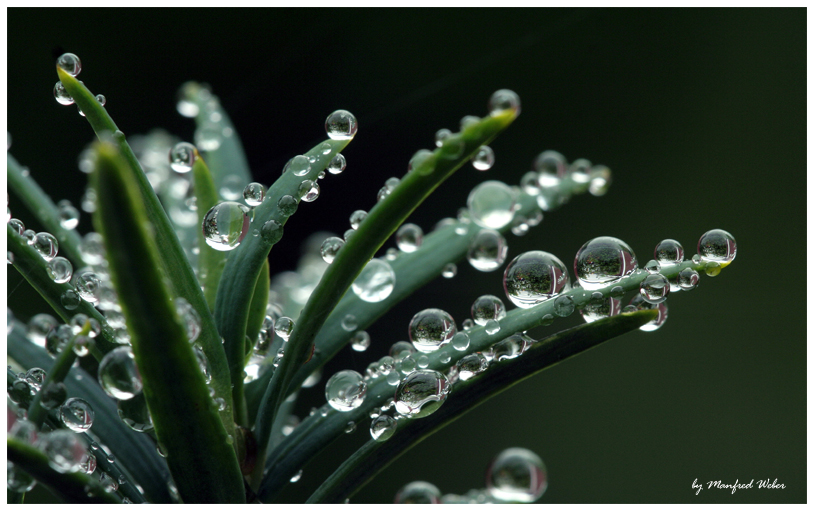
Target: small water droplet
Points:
(487, 307)
(600, 180)
(484, 159)
(503, 99)
(516, 475)
(134, 413)
(712, 269)
(639, 303)
(652, 266)
(669, 252)
(421, 393)
(308, 190)
(68, 215)
(382, 428)
(272, 231)
(688, 279)
(283, 327)
(449, 270)
(487, 250)
(654, 288)
(349, 323)
(46, 245)
(430, 329)
(360, 341)
(492, 204)
(341, 125)
(60, 270)
(208, 136)
(118, 374)
(422, 162)
(580, 170)
(460, 341)
(409, 237)
(69, 63)
(600, 307)
(337, 164)
(330, 248)
(61, 94)
(563, 306)
(70, 299)
(254, 193)
(551, 168)
(717, 246)
(472, 365)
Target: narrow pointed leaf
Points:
(374, 456)
(171, 255)
(259, 304)
(210, 262)
(246, 262)
(185, 417)
(380, 223)
(43, 209)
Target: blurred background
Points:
(700, 113)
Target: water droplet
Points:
(654, 288)
(520, 226)
(360, 341)
(308, 190)
(511, 347)
(421, 393)
(69, 63)
(441, 135)
(118, 374)
(669, 252)
(108, 484)
(345, 391)
(639, 303)
(418, 492)
(503, 99)
(712, 269)
(283, 327)
(600, 307)
(533, 277)
(299, 165)
(46, 245)
(88, 286)
(430, 329)
(337, 164)
(61, 94)
(580, 170)
(603, 261)
(57, 338)
(492, 327)
(652, 266)
(296, 477)
(349, 323)
(717, 246)
(382, 428)
(472, 365)
(93, 249)
(60, 270)
(422, 162)
(63, 449)
(341, 125)
(484, 158)
(182, 157)
(449, 270)
(68, 215)
(487, 307)
(601, 177)
(348, 234)
(189, 317)
(401, 349)
(460, 341)
(272, 232)
(375, 282)
(70, 299)
(76, 414)
(409, 237)
(487, 250)
(516, 475)
(491, 204)
(225, 225)
(82, 345)
(563, 306)
(687, 279)
(356, 218)
(134, 413)
(39, 326)
(551, 168)
(208, 136)
(330, 247)
(254, 193)
(17, 225)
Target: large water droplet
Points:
(487, 250)
(654, 288)
(69, 63)
(118, 374)
(345, 391)
(88, 285)
(669, 252)
(516, 475)
(337, 164)
(430, 329)
(472, 365)
(63, 449)
(300, 165)
(382, 428)
(46, 245)
(687, 279)
(225, 225)
(308, 190)
(182, 157)
(533, 277)
(484, 159)
(491, 204)
(60, 270)
(421, 393)
(409, 237)
(487, 307)
(503, 99)
(341, 125)
(375, 282)
(76, 414)
(600, 307)
(717, 246)
(418, 492)
(603, 261)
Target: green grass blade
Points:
(32, 267)
(171, 255)
(135, 453)
(260, 300)
(70, 486)
(381, 222)
(297, 449)
(246, 261)
(228, 159)
(210, 262)
(44, 210)
(174, 386)
(58, 372)
(374, 456)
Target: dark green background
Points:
(700, 114)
